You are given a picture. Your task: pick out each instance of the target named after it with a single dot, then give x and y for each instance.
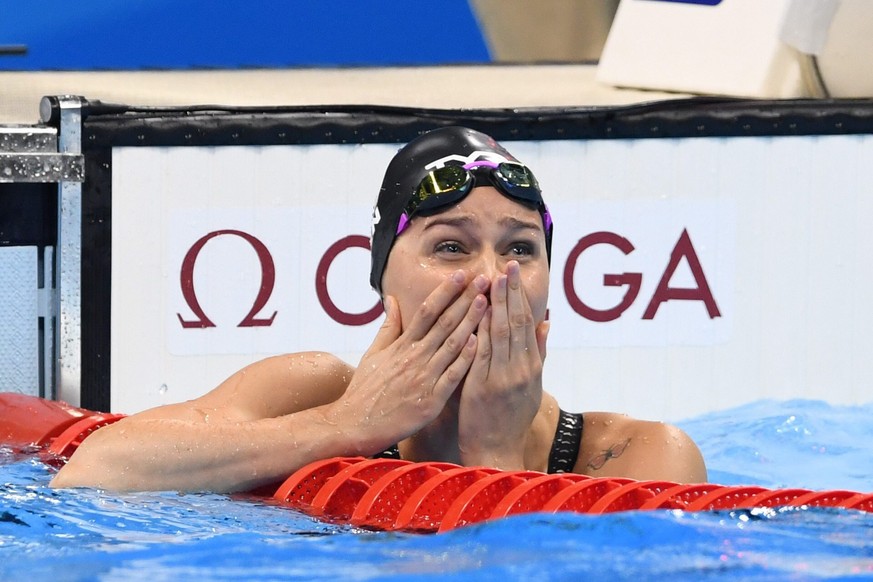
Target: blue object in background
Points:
(164, 34)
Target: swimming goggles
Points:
(450, 184)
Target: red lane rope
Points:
(380, 505)
(392, 494)
(424, 509)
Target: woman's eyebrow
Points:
(507, 222)
(514, 223)
(456, 221)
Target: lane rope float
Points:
(394, 494)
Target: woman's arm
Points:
(279, 414)
(258, 426)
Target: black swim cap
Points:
(406, 171)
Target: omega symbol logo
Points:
(268, 279)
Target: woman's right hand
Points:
(405, 378)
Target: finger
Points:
(448, 351)
(499, 330)
(391, 327)
(523, 338)
(435, 304)
(453, 375)
(484, 349)
(451, 317)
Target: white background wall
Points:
(777, 224)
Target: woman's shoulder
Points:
(618, 445)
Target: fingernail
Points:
(481, 283)
(458, 277)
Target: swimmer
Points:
(460, 256)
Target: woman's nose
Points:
(489, 264)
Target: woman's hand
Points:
(503, 390)
(406, 377)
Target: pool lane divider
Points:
(394, 494)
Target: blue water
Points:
(89, 535)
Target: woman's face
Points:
(480, 235)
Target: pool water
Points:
(90, 535)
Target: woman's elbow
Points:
(90, 465)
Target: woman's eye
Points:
(521, 250)
(448, 247)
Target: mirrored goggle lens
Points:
(517, 180)
(441, 186)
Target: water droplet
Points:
(162, 390)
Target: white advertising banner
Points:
(687, 274)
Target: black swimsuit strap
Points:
(392, 452)
(565, 447)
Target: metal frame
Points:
(30, 154)
(52, 153)
(68, 261)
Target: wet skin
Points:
(454, 373)
(499, 245)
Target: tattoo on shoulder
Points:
(612, 452)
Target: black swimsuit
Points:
(565, 447)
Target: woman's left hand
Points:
(503, 389)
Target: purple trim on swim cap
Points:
(402, 224)
(547, 218)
